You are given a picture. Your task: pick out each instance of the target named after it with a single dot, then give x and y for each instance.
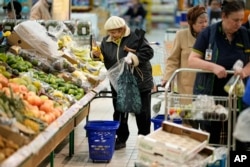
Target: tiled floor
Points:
(101, 109)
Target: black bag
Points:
(128, 94)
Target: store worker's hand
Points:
(241, 73)
(220, 71)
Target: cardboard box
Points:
(14, 39)
(174, 142)
(199, 160)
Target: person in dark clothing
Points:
(229, 42)
(123, 43)
(17, 7)
(135, 15)
(214, 11)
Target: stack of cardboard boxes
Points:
(174, 145)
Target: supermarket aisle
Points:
(101, 109)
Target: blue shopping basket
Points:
(101, 138)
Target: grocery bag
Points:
(128, 94)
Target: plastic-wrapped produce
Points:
(83, 28)
(36, 36)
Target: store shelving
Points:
(163, 12)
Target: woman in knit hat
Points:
(123, 43)
(197, 20)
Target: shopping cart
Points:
(187, 103)
(158, 62)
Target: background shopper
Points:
(18, 9)
(135, 15)
(214, 11)
(116, 45)
(197, 20)
(41, 10)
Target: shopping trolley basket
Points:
(199, 104)
(158, 62)
(169, 40)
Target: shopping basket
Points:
(157, 120)
(185, 102)
(101, 139)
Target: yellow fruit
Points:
(32, 124)
(6, 33)
(37, 84)
(58, 94)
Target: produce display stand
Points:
(44, 144)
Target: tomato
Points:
(171, 111)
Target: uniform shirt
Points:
(228, 53)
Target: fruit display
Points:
(39, 87)
(59, 84)
(32, 110)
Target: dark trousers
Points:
(143, 120)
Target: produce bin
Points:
(101, 138)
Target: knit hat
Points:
(114, 22)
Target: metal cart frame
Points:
(231, 101)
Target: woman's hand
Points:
(163, 83)
(129, 49)
(96, 53)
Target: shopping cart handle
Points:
(159, 86)
(154, 43)
(167, 86)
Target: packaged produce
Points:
(240, 87)
(36, 35)
(71, 25)
(83, 28)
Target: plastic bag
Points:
(241, 131)
(36, 36)
(114, 72)
(128, 94)
(240, 87)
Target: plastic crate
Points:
(101, 139)
(157, 120)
